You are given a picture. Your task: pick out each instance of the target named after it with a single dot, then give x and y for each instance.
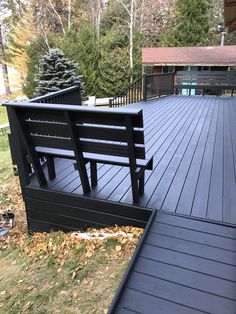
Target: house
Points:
(172, 59)
(230, 14)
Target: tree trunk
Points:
(131, 39)
(4, 66)
(98, 18)
(142, 13)
(69, 14)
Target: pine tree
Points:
(80, 44)
(113, 66)
(55, 73)
(188, 25)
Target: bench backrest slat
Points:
(85, 131)
(82, 116)
(97, 131)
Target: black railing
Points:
(159, 84)
(146, 87)
(131, 94)
(70, 96)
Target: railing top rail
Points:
(54, 94)
(161, 74)
(62, 107)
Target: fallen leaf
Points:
(118, 248)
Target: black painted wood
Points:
(59, 129)
(176, 275)
(206, 80)
(183, 264)
(193, 141)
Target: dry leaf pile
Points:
(11, 198)
(64, 247)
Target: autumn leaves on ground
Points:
(58, 273)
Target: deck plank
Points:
(172, 275)
(193, 142)
(187, 262)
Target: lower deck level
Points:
(183, 266)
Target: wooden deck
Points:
(186, 260)
(184, 266)
(193, 140)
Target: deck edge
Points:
(129, 269)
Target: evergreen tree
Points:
(55, 73)
(81, 44)
(113, 67)
(189, 26)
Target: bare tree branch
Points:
(57, 14)
(124, 5)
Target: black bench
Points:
(206, 80)
(88, 135)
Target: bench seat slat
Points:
(113, 160)
(103, 148)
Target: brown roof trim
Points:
(214, 56)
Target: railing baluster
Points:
(146, 87)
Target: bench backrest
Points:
(101, 131)
(227, 78)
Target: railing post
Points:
(144, 86)
(173, 83)
(78, 98)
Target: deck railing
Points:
(146, 87)
(131, 94)
(70, 95)
(159, 85)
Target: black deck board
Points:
(193, 141)
(175, 274)
(187, 260)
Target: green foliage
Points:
(35, 51)
(55, 73)
(80, 44)
(190, 27)
(113, 68)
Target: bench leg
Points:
(135, 186)
(51, 167)
(93, 170)
(37, 167)
(141, 184)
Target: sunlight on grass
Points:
(3, 115)
(40, 284)
(6, 169)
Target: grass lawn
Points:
(5, 157)
(55, 272)
(3, 111)
(3, 115)
(6, 170)
(50, 273)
